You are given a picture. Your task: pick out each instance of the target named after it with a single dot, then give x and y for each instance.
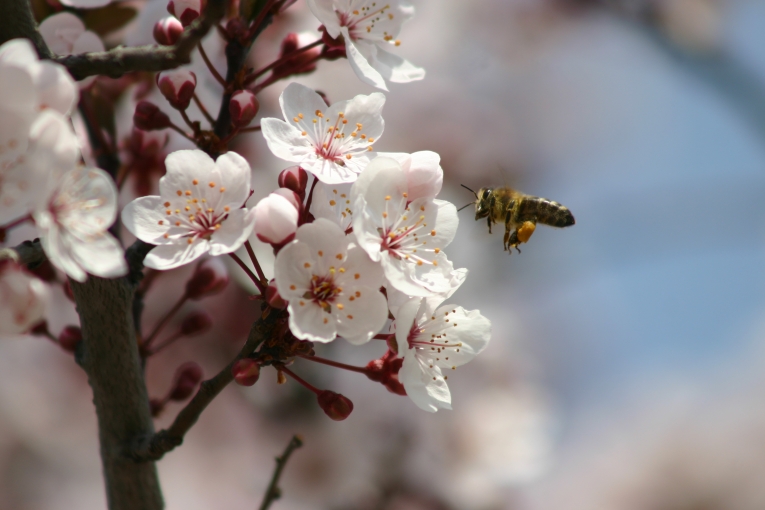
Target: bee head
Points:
(482, 203)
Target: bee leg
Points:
(511, 241)
(506, 240)
(488, 220)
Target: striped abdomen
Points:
(542, 210)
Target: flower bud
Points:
(237, 29)
(276, 219)
(303, 62)
(246, 372)
(293, 197)
(149, 117)
(187, 376)
(156, 406)
(69, 337)
(178, 87)
(295, 179)
(67, 287)
(243, 107)
(167, 31)
(335, 405)
(196, 323)
(185, 10)
(209, 279)
(273, 298)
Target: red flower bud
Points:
(273, 298)
(185, 10)
(149, 117)
(303, 62)
(335, 405)
(209, 279)
(246, 372)
(156, 406)
(177, 86)
(167, 31)
(69, 337)
(40, 329)
(196, 323)
(187, 376)
(68, 291)
(295, 179)
(237, 29)
(243, 107)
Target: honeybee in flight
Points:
(519, 212)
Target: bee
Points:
(520, 213)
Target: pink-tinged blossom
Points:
(276, 219)
(433, 340)
(85, 4)
(199, 209)
(65, 34)
(22, 299)
(424, 175)
(368, 28)
(167, 31)
(177, 86)
(407, 238)
(32, 84)
(332, 286)
(295, 179)
(333, 143)
(243, 107)
(185, 10)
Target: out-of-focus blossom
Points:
(431, 339)
(294, 178)
(424, 175)
(177, 86)
(406, 237)
(333, 143)
(302, 62)
(276, 219)
(34, 85)
(243, 107)
(199, 209)
(74, 220)
(332, 288)
(185, 10)
(22, 299)
(210, 278)
(333, 202)
(167, 30)
(196, 323)
(65, 34)
(149, 117)
(143, 155)
(85, 4)
(367, 27)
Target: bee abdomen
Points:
(546, 212)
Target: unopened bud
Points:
(294, 178)
(303, 62)
(39, 329)
(196, 323)
(69, 337)
(273, 298)
(209, 279)
(276, 219)
(335, 405)
(167, 31)
(149, 117)
(178, 87)
(237, 29)
(185, 10)
(293, 197)
(68, 291)
(187, 377)
(156, 406)
(246, 372)
(243, 107)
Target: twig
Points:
(274, 492)
(211, 67)
(28, 253)
(155, 446)
(118, 61)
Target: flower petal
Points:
(362, 318)
(290, 270)
(394, 68)
(234, 175)
(309, 322)
(101, 255)
(183, 167)
(170, 256)
(360, 65)
(143, 218)
(233, 232)
(423, 384)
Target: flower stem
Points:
(188, 122)
(169, 340)
(161, 324)
(283, 60)
(254, 260)
(250, 129)
(309, 200)
(336, 364)
(16, 223)
(261, 17)
(214, 71)
(299, 379)
(249, 272)
(182, 133)
(202, 108)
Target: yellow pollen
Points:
(356, 276)
(385, 215)
(370, 148)
(318, 113)
(339, 256)
(341, 115)
(191, 217)
(326, 320)
(179, 192)
(187, 208)
(314, 121)
(300, 115)
(296, 119)
(304, 133)
(227, 208)
(188, 193)
(191, 240)
(166, 236)
(432, 232)
(167, 204)
(354, 133)
(332, 203)
(340, 306)
(210, 210)
(222, 189)
(398, 43)
(342, 269)
(435, 263)
(363, 136)
(292, 287)
(371, 139)
(437, 250)
(405, 194)
(390, 16)
(387, 197)
(359, 125)
(307, 265)
(177, 223)
(195, 182)
(419, 262)
(161, 222)
(348, 156)
(212, 184)
(321, 253)
(350, 316)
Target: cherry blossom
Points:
(424, 175)
(276, 218)
(65, 33)
(22, 299)
(432, 339)
(85, 4)
(333, 143)
(406, 237)
(199, 210)
(367, 27)
(332, 286)
(333, 202)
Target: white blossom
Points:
(199, 210)
(368, 27)
(333, 143)
(333, 202)
(406, 237)
(276, 218)
(22, 299)
(65, 33)
(424, 175)
(331, 285)
(431, 340)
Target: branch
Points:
(274, 492)
(28, 253)
(118, 61)
(17, 21)
(155, 446)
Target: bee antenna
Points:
(470, 190)
(461, 208)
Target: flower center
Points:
(429, 337)
(331, 139)
(362, 23)
(201, 215)
(402, 238)
(323, 292)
